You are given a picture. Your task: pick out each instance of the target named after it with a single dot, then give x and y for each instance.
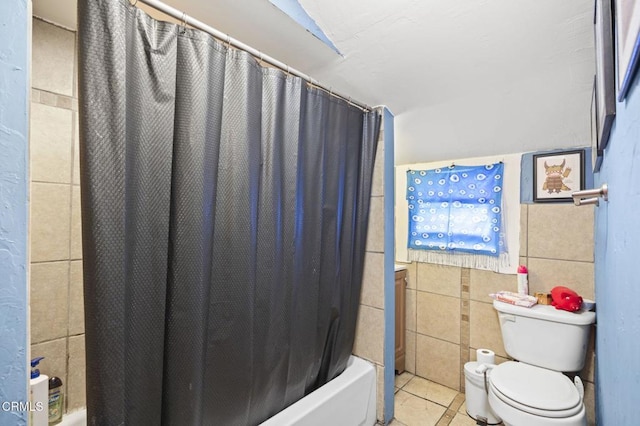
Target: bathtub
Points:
(349, 399)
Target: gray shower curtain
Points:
(224, 214)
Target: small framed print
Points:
(557, 175)
(628, 43)
(596, 152)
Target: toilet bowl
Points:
(534, 391)
(526, 395)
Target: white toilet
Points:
(546, 342)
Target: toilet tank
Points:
(545, 336)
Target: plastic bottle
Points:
(56, 399)
(523, 282)
(38, 409)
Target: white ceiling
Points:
(464, 78)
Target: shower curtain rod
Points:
(188, 20)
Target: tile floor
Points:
(420, 402)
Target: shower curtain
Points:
(224, 214)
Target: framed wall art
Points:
(596, 154)
(605, 85)
(628, 43)
(556, 175)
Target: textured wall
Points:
(617, 284)
(14, 128)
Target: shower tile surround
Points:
(57, 319)
(370, 327)
(57, 314)
(557, 251)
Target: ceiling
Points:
(464, 78)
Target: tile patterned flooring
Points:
(420, 402)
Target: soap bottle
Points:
(38, 407)
(55, 400)
(523, 282)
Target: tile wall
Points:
(57, 315)
(449, 312)
(369, 342)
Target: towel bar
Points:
(591, 196)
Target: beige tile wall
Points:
(449, 312)
(57, 313)
(369, 342)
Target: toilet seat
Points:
(535, 390)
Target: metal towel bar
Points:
(591, 196)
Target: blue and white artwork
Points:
(456, 209)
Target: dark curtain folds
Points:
(224, 214)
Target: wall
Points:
(617, 286)
(449, 312)
(57, 315)
(14, 131)
(370, 327)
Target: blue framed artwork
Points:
(628, 43)
(605, 85)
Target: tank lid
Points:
(548, 313)
(535, 387)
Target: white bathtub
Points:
(349, 399)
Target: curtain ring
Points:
(288, 73)
(184, 22)
(134, 3)
(228, 42)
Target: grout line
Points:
(439, 294)
(55, 339)
(38, 262)
(457, 402)
(51, 183)
(71, 213)
(465, 322)
(526, 230)
(557, 259)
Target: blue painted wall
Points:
(617, 238)
(15, 16)
(389, 267)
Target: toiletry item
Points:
(485, 356)
(55, 400)
(523, 282)
(543, 298)
(39, 385)
(514, 298)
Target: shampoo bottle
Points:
(39, 386)
(55, 400)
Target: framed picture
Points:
(628, 42)
(556, 175)
(605, 77)
(596, 154)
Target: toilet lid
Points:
(534, 389)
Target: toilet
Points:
(532, 391)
